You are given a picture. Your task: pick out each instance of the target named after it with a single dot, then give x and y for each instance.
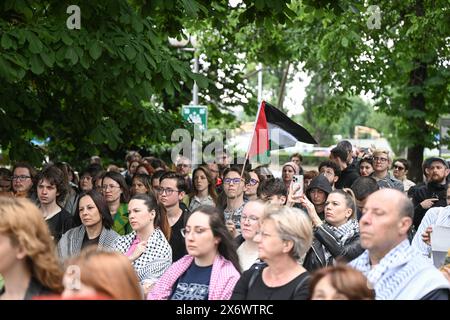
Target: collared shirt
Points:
(197, 202)
(389, 182)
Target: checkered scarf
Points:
(156, 258)
(393, 272)
(342, 233)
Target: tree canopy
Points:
(116, 83)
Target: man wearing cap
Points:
(433, 193)
(287, 173)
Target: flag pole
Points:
(251, 140)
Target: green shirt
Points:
(121, 224)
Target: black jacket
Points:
(323, 235)
(347, 177)
(427, 191)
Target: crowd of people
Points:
(224, 231)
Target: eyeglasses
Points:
(253, 182)
(234, 180)
(166, 191)
(251, 219)
(380, 159)
(110, 186)
(20, 178)
(198, 231)
(399, 168)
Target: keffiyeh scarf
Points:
(393, 272)
(342, 233)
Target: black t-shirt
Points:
(59, 224)
(176, 238)
(89, 242)
(193, 284)
(296, 289)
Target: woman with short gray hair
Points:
(283, 240)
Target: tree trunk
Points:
(415, 156)
(417, 102)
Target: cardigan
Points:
(72, 241)
(224, 277)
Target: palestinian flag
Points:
(273, 127)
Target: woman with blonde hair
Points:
(337, 236)
(101, 275)
(28, 261)
(284, 238)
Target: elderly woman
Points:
(284, 238)
(248, 249)
(338, 235)
(94, 226)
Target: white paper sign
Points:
(440, 244)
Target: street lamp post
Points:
(183, 45)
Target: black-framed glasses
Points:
(230, 180)
(20, 178)
(253, 182)
(399, 168)
(380, 159)
(167, 191)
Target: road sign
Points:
(197, 115)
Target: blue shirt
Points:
(193, 284)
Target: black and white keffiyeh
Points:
(342, 233)
(156, 258)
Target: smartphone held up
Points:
(297, 185)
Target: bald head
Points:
(401, 203)
(386, 219)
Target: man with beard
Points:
(433, 193)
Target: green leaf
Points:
(140, 63)
(66, 39)
(137, 24)
(130, 52)
(191, 7)
(95, 50)
(260, 4)
(344, 42)
(35, 45)
(84, 61)
(36, 65)
(6, 41)
(71, 55)
(49, 59)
